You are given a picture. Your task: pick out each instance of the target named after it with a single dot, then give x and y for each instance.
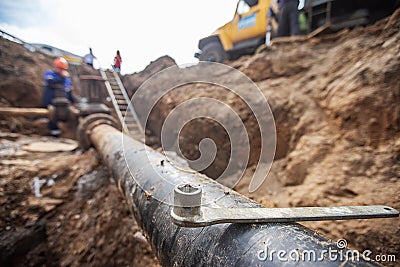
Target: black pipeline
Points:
(267, 244)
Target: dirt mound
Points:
(20, 84)
(133, 81)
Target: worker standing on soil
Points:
(57, 83)
(117, 62)
(88, 58)
(288, 18)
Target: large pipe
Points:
(267, 244)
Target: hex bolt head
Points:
(187, 200)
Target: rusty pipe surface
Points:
(264, 244)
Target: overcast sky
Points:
(142, 30)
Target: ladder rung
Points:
(117, 93)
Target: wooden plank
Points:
(24, 112)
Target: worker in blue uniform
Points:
(57, 83)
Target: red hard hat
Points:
(61, 63)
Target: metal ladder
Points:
(126, 113)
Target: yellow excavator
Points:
(255, 22)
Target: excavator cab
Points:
(249, 22)
(244, 32)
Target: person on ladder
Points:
(117, 62)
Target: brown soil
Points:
(85, 219)
(335, 103)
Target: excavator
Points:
(255, 22)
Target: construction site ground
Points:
(335, 99)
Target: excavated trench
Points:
(334, 100)
(200, 128)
